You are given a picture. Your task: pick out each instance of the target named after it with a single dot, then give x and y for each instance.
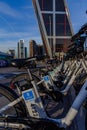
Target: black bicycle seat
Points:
(19, 63)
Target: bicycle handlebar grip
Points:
(83, 29)
(74, 37)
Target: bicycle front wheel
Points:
(6, 96)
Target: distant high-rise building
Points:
(25, 52)
(33, 48)
(40, 49)
(11, 52)
(21, 50)
(54, 23)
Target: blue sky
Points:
(18, 21)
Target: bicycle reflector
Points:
(12, 86)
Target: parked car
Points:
(3, 63)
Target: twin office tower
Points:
(55, 26)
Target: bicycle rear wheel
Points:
(6, 96)
(25, 76)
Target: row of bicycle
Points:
(25, 108)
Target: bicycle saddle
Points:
(28, 62)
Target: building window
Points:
(62, 25)
(59, 47)
(48, 22)
(62, 44)
(46, 5)
(60, 5)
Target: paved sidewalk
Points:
(7, 73)
(8, 69)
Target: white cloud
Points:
(15, 36)
(6, 9)
(5, 34)
(27, 7)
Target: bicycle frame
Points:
(68, 81)
(35, 99)
(35, 108)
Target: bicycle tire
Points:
(26, 76)
(79, 81)
(10, 95)
(79, 85)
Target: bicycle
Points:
(30, 113)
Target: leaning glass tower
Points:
(54, 24)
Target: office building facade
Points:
(54, 24)
(35, 49)
(12, 52)
(21, 49)
(25, 49)
(32, 48)
(40, 49)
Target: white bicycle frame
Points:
(35, 107)
(64, 122)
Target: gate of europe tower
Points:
(55, 26)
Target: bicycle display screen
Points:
(46, 78)
(28, 95)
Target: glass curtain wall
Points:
(55, 25)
